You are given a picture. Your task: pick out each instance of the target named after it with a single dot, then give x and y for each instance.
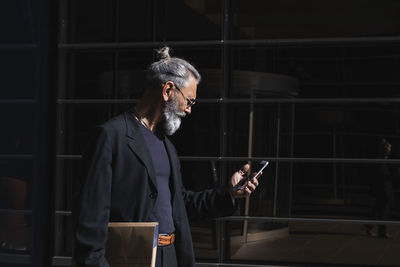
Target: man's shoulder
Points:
(115, 124)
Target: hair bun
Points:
(163, 53)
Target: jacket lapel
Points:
(137, 144)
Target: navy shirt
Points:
(162, 212)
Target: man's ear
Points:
(167, 90)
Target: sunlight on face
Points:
(173, 116)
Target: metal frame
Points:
(15, 258)
(310, 220)
(270, 159)
(251, 42)
(246, 101)
(225, 45)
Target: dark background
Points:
(312, 86)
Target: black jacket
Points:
(118, 184)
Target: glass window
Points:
(258, 19)
(63, 225)
(18, 22)
(130, 80)
(17, 128)
(273, 102)
(315, 72)
(199, 132)
(237, 133)
(90, 75)
(309, 242)
(192, 20)
(135, 20)
(89, 21)
(351, 130)
(200, 175)
(16, 176)
(76, 122)
(112, 21)
(208, 61)
(311, 130)
(15, 229)
(68, 175)
(18, 68)
(343, 131)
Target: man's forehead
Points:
(191, 89)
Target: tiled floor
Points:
(310, 243)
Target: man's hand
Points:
(248, 187)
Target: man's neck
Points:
(149, 111)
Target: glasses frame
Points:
(189, 102)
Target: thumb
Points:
(245, 168)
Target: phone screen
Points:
(265, 164)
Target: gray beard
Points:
(173, 116)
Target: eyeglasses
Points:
(189, 102)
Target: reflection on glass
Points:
(64, 225)
(18, 23)
(14, 227)
(91, 75)
(315, 72)
(198, 176)
(17, 128)
(135, 20)
(129, 82)
(105, 74)
(68, 171)
(258, 19)
(208, 63)
(310, 130)
(192, 20)
(15, 191)
(304, 189)
(199, 132)
(15, 183)
(113, 21)
(382, 187)
(77, 122)
(311, 242)
(99, 28)
(238, 130)
(13, 66)
(205, 239)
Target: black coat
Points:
(118, 184)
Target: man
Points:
(131, 172)
(382, 189)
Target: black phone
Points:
(240, 185)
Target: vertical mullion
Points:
(278, 133)
(165, 20)
(34, 197)
(115, 56)
(223, 121)
(60, 123)
(154, 20)
(291, 168)
(41, 235)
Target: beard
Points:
(172, 115)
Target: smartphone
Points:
(265, 164)
(240, 185)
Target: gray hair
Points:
(168, 68)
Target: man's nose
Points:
(188, 110)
